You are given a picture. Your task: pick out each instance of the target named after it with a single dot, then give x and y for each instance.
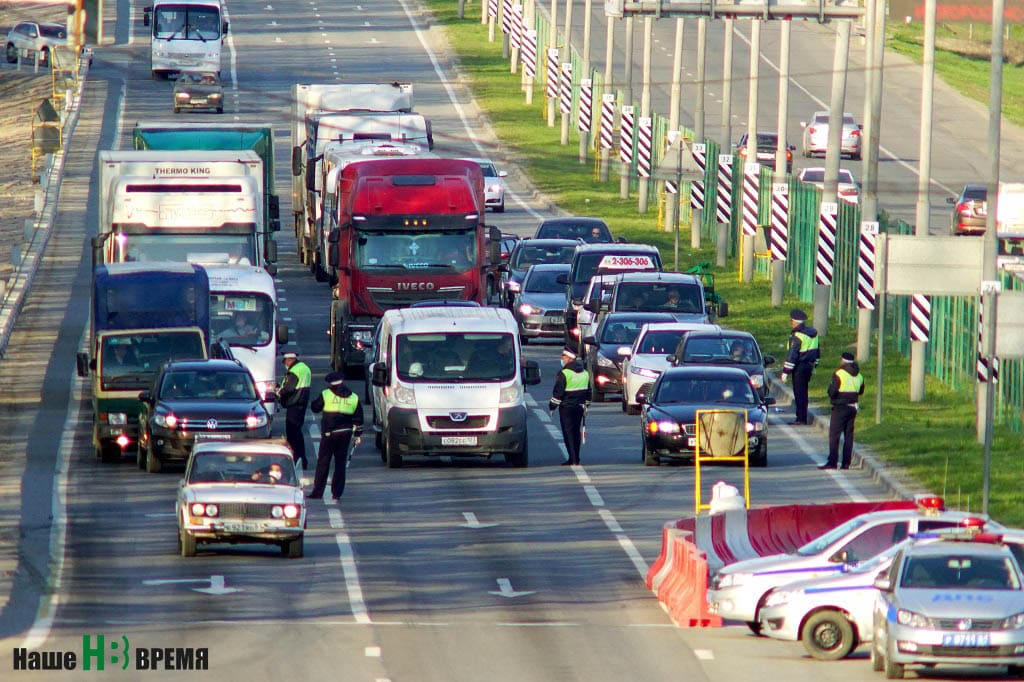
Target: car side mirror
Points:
(530, 372)
(562, 279)
(146, 396)
(271, 269)
(803, 124)
(769, 360)
(769, 401)
(181, 483)
(951, 201)
(622, 240)
(671, 359)
(270, 397)
(270, 251)
(791, 147)
(723, 309)
(590, 340)
(274, 206)
(624, 351)
(840, 557)
(282, 333)
(296, 161)
(379, 374)
(591, 306)
(882, 581)
(147, 15)
(82, 362)
(502, 174)
(224, 28)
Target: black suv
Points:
(197, 400)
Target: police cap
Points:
(335, 379)
(797, 315)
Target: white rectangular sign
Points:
(1010, 325)
(931, 266)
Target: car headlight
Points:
(1015, 622)
(291, 511)
(663, 426)
(361, 335)
(255, 421)
(725, 580)
(911, 619)
(644, 372)
(215, 95)
(527, 309)
(197, 509)
(496, 188)
(510, 394)
(778, 598)
(212, 510)
(602, 361)
(403, 395)
(755, 427)
(182, 95)
(165, 419)
(117, 418)
(513, 286)
(277, 511)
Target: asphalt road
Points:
(436, 571)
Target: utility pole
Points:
(672, 206)
(782, 150)
(869, 207)
(726, 137)
(747, 274)
(698, 120)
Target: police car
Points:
(953, 601)
(739, 591)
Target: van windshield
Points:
(455, 357)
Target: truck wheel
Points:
(152, 461)
(828, 636)
(319, 274)
(187, 543)
(391, 454)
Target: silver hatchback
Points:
(35, 36)
(815, 136)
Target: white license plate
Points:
(458, 440)
(966, 639)
(212, 436)
(691, 442)
(243, 527)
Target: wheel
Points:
(391, 454)
(623, 403)
(152, 461)
(755, 625)
(292, 548)
(877, 659)
(12, 53)
(220, 110)
(500, 208)
(140, 455)
(521, 459)
(1015, 671)
(378, 442)
(828, 636)
(633, 409)
(319, 274)
(187, 543)
(177, 110)
(893, 670)
(650, 459)
(760, 459)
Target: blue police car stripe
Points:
(831, 568)
(823, 590)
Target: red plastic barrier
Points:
(719, 540)
(684, 592)
(653, 579)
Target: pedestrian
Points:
(294, 397)
(571, 396)
(800, 362)
(341, 421)
(845, 390)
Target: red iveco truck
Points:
(399, 231)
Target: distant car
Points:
(540, 305)
(529, 252)
(725, 348)
(950, 602)
(847, 189)
(198, 90)
(198, 400)
(241, 493)
(590, 230)
(494, 185)
(668, 417)
(609, 346)
(767, 143)
(36, 36)
(648, 358)
(970, 210)
(815, 137)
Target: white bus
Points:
(187, 35)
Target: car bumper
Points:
(408, 438)
(735, 603)
(780, 622)
(685, 447)
(970, 226)
(228, 532)
(1000, 647)
(494, 199)
(542, 326)
(608, 379)
(177, 445)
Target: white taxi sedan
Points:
(740, 590)
(241, 492)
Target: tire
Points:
(521, 459)
(187, 543)
(220, 110)
(632, 409)
(140, 455)
(293, 549)
(622, 403)
(177, 110)
(755, 625)
(828, 636)
(893, 670)
(319, 274)
(1015, 671)
(153, 464)
(379, 443)
(500, 208)
(391, 455)
(761, 459)
(650, 459)
(877, 660)
(12, 53)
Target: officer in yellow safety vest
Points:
(342, 420)
(845, 390)
(571, 396)
(294, 398)
(800, 362)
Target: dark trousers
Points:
(332, 448)
(294, 419)
(801, 380)
(841, 424)
(571, 419)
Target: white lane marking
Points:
(233, 55)
(812, 454)
(704, 654)
(372, 651)
(633, 553)
(446, 82)
(610, 521)
(49, 600)
(282, 309)
(594, 496)
(472, 522)
(505, 590)
(348, 566)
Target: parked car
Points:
(198, 400)
(648, 358)
(815, 137)
(494, 185)
(958, 602)
(529, 252)
(668, 420)
(767, 143)
(724, 347)
(36, 36)
(970, 210)
(540, 305)
(590, 230)
(241, 493)
(848, 189)
(609, 346)
(198, 90)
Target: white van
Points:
(450, 382)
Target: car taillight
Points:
(855, 133)
(789, 155)
(812, 130)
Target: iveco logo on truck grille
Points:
(414, 286)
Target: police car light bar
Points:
(930, 502)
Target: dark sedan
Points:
(198, 400)
(669, 415)
(527, 252)
(611, 343)
(198, 90)
(725, 347)
(590, 230)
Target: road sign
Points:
(934, 266)
(1010, 325)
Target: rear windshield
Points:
(705, 391)
(721, 350)
(622, 332)
(595, 233)
(536, 255)
(976, 193)
(544, 282)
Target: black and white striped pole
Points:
(567, 59)
(645, 110)
(751, 187)
(824, 267)
(552, 84)
(530, 62)
(565, 97)
(585, 139)
(516, 37)
(586, 112)
(607, 133)
(506, 27)
(780, 182)
(625, 150)
(723, 207)
(644, 148)
(606, 109)
(866, 249)
(492, 17)
(778, 239)
(920, 333)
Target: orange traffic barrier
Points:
(681, 580)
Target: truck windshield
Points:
(209, 249)
(243, 319)
(456, 357)
(186, 22)
(131, 361)
(445, 251)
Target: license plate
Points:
(966, 639)
(691, 442)
(458, 440)
(212, 436)
(243, 527)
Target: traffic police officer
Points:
(294, 397)
(342, 419)
(800, 362)
(571, 396)
(844, 390)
